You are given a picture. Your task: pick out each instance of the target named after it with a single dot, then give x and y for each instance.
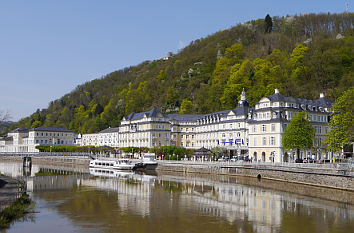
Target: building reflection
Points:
(146, 196)
(134, 190)
(233, 202)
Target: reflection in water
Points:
(113, 201)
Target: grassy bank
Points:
(16, 210)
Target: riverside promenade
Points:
(332, 175)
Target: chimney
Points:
(322, 95)
(276, 91)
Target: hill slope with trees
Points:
(300, 55)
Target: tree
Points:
(342, 122)
(4, 116)
(186, 107)
(268, 24)
(299, 134)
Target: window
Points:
(284, 126)
(264, 128)
(264, 141)
(223, 135)
(254, 129)
(192, 136)
(273, 127)
(272, 141)
(255, 141)
(290, 115)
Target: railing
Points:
(40, 154)
(345, 167)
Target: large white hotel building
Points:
(243, 131)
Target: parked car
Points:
(299, 161)
(246, 159)
(309, 160)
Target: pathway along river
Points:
(110, 201)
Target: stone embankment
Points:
(339, 176)
(10, 190)
(332, 176)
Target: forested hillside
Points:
(301, 55)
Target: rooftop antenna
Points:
(346, 6)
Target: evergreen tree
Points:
(268, 24)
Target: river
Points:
(96, 200)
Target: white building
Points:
(271, 116)
(109, 137)
(226, 129)
(145, 129)
(89, 139)
(24, 140)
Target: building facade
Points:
(226, 129)
(109, 137)
(26, 140)
(271, 116)
(145, 129)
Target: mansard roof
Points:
(184, 117)
(110, 130)
(323, 101)
(241, 110)
(19, 130)
(137, 116)
(51, 129)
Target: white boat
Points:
(149, 161)
(120, 164)
(113, 173)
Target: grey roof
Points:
(184, 117)
(323, 102)
(51, 129)
(8, 138)
(110, 130)
(241, 110)
(137, 116)
(19, 130)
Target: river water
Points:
(96, 200)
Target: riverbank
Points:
(320, 176)
(336, 176)
(14, 201)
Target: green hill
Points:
(301, 55)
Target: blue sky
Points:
(49, 47)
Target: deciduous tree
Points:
(342, 122)
(299, 134)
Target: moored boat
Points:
(149, 161)
(120, 164)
